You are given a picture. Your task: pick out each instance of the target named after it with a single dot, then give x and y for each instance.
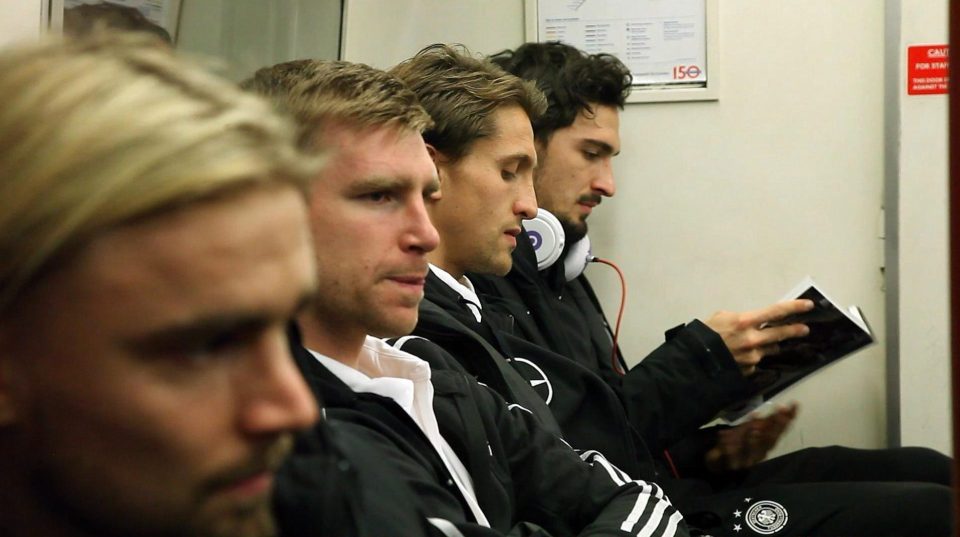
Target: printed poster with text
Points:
(660, 41)
(163, 13)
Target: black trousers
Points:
(827, 492)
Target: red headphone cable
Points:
(623, 302)
(616, 335)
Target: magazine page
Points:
(834, 334)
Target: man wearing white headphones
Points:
(485, 186)
(576, 140)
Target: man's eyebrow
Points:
(520, 157)
(375, 183)
(195, 332)
(601, 145)
(200, 329)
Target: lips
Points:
(251, 481)
(254, 478)
(254, 485)
(409, 280)
(588, 202)
(586, 207)
(414, 278)
(512, 234)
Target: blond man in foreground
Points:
(153, 246)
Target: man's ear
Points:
(439, 159)
(434, 153)
(439, 162)
(540, 146)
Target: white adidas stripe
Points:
(445, 526)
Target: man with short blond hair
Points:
(153, 246)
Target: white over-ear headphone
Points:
(548, 239)
(547, 236)
(577, 259)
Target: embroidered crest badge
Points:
(766, 517)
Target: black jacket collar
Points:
(438, 292)
(326, 387)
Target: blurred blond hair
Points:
(100, 131)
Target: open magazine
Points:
(834, 333)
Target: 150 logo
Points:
(684, 72)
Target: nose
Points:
(419, 235)
(276, 398)
(603, 182)
(526, 204)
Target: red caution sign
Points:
(928, 69)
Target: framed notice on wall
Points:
(162, 13)
(669, 45)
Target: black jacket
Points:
(336, 482)
(677, 388)
(588, 412)
(520, 472)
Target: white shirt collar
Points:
(465, 289)
(386, 371)
(390, 372)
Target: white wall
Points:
(923, 317)
(729, 203)
(384, 32)
(19, 20)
